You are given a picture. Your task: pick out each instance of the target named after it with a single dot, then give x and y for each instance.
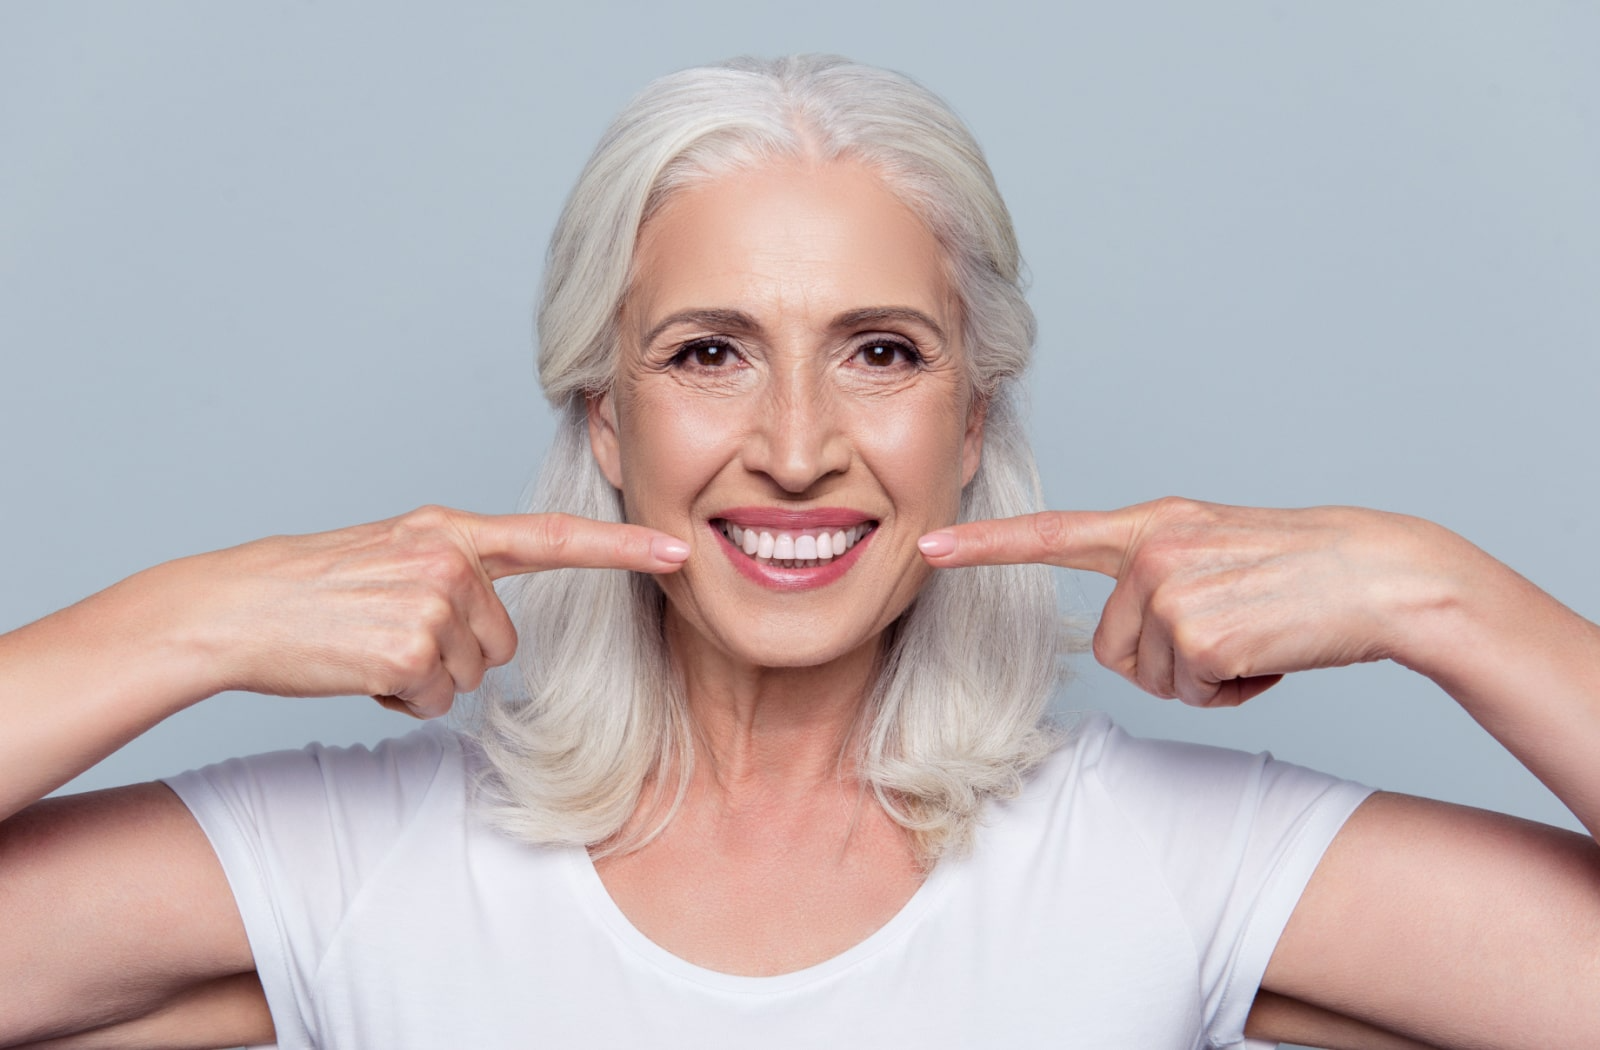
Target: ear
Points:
(972, 442)
(603, 437)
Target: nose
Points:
(798, 439)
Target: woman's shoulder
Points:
(1209, 831)
(1176, 791)
(397, 763)
(356, 793)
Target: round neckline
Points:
(592, 891)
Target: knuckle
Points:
(1127, 670)
(1107, 653)
(1194, 692)
(411, 659)
(1176, 508)
(390, 702)
(1232, 667)
(1145, 678)
(500, 644)
(556, 532)
(426, 518)
(1220, 662)
(1202, 648)
(426, 707)
(446, 567)
(433, 612)
(1189, 640)
(470, 677)
(1227, 694)
(1050, 530)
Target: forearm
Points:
(80, 683)
(1523, 665)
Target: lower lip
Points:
(780, 579)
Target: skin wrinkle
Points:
(738, 322)
(794, 356)
(792, 269)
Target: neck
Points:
(771, 731)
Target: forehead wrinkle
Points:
(789, 276)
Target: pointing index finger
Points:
(1073, 539)
(508, 544)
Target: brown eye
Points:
(887, 353)
(705, 354)
(710, 355)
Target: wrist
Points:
(155, 629)
(80, 683)
(1446, 596)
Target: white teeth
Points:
(794, 550)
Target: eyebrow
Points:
(741, 322)
(723, 320)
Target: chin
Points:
(782, 649)
(764, 637)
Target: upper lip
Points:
(788, 518)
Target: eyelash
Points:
(685, 357)
(912, 356)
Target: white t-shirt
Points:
(1129, 898)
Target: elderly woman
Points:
(787, 779)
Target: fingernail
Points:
(668, 549)
(937, 544)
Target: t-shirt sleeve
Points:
(1236, 837)
(299, 833)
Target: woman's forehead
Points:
(796, 241)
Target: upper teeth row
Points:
(807, 545)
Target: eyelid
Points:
(679, 352)
(914, 353)
(864, 338)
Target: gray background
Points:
(270, 268)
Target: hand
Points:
(403, 610)
(1214, 604)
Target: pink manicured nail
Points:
(937, 544)
(668, 549)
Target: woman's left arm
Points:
(1447, 924)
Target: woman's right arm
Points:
(112, 904)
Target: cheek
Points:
(670, 450)
(915, 451)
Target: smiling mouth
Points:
(793, 548)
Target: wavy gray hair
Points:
(591, 713)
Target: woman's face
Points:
(792, 401)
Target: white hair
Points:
(592, 710)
